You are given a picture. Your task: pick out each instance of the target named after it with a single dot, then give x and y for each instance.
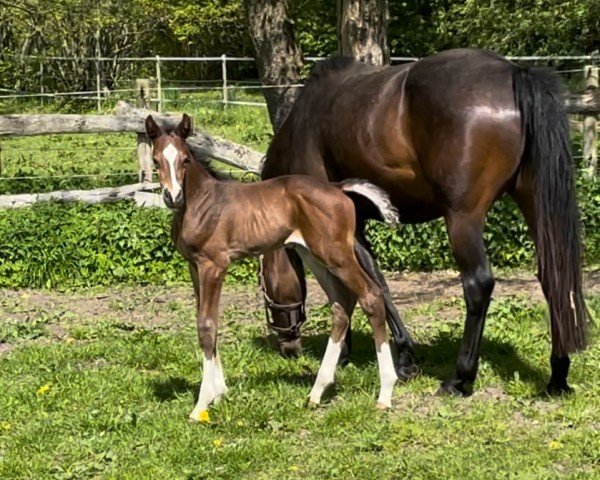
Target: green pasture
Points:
(99, 385)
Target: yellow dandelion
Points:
(5, 426)
(240, 423)
(204, 417)
(43, 389)
(555, 445)
(293, 468)
(217, 442)
(69, 340)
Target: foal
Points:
(216, 222)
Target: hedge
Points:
(65, 246)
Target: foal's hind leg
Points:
(345, 266)
(406, 368)
(466, 239)
(342, 303)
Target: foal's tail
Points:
(557, 236)
(373, 202)
(383, 209)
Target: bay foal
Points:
(216, 222)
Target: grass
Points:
(105, 393)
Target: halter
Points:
(296, 311)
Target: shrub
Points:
(74, 245)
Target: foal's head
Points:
(171, 157)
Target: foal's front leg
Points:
(213, 382)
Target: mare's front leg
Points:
(466, 240)
(213, 382)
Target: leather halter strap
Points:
(296, 312)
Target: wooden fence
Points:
(126, 119)
(131, 119)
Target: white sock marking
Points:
(326, 373)
(208, 388)
(220, 386)
(170, 153)
(387, 375)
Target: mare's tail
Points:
(557, 236)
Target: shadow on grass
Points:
(435, 359)
(438, 358)
(170, 388)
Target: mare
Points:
(216, 222)
(445, 136)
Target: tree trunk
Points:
(362, 30)
(278, 56)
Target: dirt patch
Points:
(152, 305)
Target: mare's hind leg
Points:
(523, 196)
(466, 239)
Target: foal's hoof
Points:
(407, 372)
(558, 390)
(452, 390)
(383, 407)
(201, 416)
(290, 348)
(310, 404)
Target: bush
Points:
(55, 245)
(52, 245)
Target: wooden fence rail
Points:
(126, 119)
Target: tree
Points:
(278, 57)
(362, 30)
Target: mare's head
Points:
(171, 158)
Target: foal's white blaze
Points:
(208, 389)
(170, 153)
(387, 375)
(326, 370)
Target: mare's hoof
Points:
(453, 390)
(407, 372)
(310, 404)
(558, 389)
(343, 361)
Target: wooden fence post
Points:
(224, 73)
(42, 83)
(144, 149)
(590, 134)
(142, 88)
(158, 86)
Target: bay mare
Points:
(216, 222)
(445, 136)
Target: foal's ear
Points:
(152, 129)
(184, 129)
